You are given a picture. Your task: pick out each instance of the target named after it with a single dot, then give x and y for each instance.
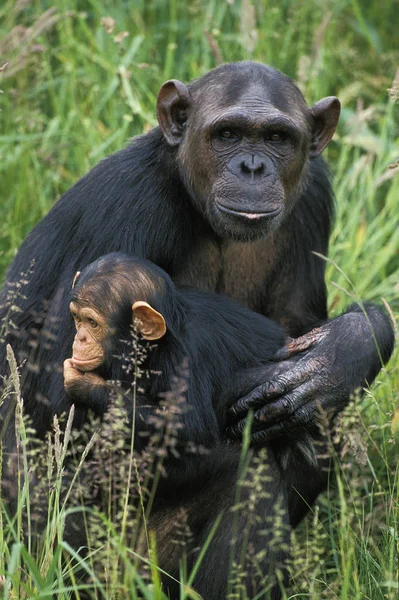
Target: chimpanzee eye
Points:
(76, 317)
(275, 136)
(228, 135)
(93, 324)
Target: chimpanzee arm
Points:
(332, 362)
(178, 425)
(317, 374)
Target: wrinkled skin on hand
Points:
(315, 375)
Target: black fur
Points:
(137, 201)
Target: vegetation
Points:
(82, 77)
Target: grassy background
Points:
(82, 78)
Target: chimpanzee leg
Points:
(250, 544)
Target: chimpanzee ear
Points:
(173, 103)
(149, 322)
(75, 279)
(325, 115)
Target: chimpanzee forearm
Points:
(367, 335)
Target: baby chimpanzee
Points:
(228, 349)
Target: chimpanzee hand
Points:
(323, 369)
(78, 384)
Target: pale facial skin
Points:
(92, 332)
(87, 350)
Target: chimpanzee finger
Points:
(69, 367)
(235, 431)
(273, 389)
(254, 399)
(305, 342)
(283, 408)
(300, 420)
(280, 411)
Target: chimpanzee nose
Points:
(81, 334)
(250, 167)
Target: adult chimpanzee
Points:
(221, 341)
(228, 194)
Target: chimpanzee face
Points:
(244, 140)
(91, 332)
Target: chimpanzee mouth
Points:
(251, 215)
(87, 364)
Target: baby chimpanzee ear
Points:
(75, 279)
(149, 322)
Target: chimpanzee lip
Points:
(87, 362)
(249, 214)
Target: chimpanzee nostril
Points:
(244, 168)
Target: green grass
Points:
(72, 94)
